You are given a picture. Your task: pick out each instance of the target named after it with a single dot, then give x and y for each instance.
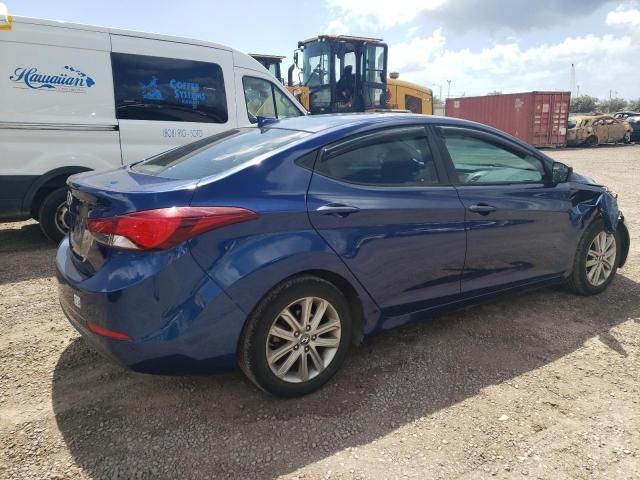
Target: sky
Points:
(480, 46)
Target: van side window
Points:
(264, 99)
(168, 89)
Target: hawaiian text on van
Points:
(70, 80)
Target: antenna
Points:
(572, 84)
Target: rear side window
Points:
(217, 154)
(397, 161)
(168, 89)
(264, 99)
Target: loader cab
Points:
(343, 73)
(271, 63)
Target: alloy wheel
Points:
(601, 257)
(303, 339)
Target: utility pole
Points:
(448, 88)
(572, 81)
(439, 85)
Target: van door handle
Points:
(337, 209)
(482, 208)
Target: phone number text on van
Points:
(181, 133)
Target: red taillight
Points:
(164, 227)
(105, 332)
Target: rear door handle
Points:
(337, 209)
(482, 208)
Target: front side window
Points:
(478, 161)
(264, 99)
(217, 154)
(168, 89)
(399, 161)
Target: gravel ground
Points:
(542, 385)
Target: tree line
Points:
(588, 104)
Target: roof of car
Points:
(318, 123)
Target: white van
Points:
(76, 98)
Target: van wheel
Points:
(297, 337)
(592, 141)
(52, 215)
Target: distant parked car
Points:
(625, 115)
(277, 247)
(592, 130)
(635, 125)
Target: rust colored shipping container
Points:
(538, 118)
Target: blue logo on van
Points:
(188, 93)
(70, 80)
(150, 91)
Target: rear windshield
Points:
(217, 154)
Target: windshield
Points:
(316, 64)
(217, 154)
(571, 123)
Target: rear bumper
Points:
(178, 319)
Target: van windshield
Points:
(217, 154)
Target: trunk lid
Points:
(112, 193)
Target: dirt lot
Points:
(543, 385)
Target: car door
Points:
(601, 130)
(381, 201)
(518, 223)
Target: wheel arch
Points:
(626, 242)
(358, 305)
(46, 184)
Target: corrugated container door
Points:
(550, 119)
(541, 120)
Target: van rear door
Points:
(168, 94)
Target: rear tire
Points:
(52, 215)
(591, 141)
(307, 363)
(583, 279)
(627, 138)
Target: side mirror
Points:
(560, 173)
(295, 58)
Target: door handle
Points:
(337, 209)
(482, 208)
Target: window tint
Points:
(398, 161)
(217, 154)
(264, 99)
(479, 161)
(413, 104)
(168, 89)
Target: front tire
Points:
(297, 337)
(596, 260)
(52, 215)
(627, 138)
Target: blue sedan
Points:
(275, 248)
